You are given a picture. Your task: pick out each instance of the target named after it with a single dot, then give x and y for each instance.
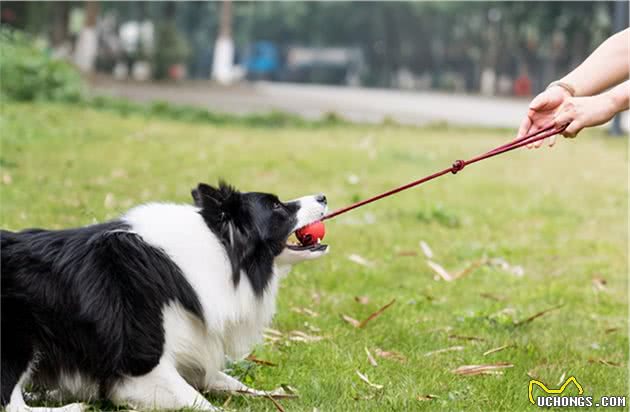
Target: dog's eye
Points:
(277, 205)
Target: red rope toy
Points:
(310, 234)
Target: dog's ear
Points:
(196, 195)
(205, 193)
(224, 200)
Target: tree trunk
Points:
(222, 70)
(87, 44)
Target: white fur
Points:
(310, 211)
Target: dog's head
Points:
(255, 228)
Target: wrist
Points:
(619, 97)
(566, 87)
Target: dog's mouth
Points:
(294, 244)
(316, 247)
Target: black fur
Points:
(253, 228)
(87, 299)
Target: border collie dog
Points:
(144, 310)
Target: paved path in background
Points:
(314, 101)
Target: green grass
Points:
(561, 214)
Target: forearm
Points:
(605, 67)
(620, 96)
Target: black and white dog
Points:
(144, 310)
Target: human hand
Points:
(557, 106)
(542, 111)
(581, 112)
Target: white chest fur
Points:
(234, 316)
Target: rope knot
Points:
(457, 166)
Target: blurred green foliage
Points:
(27, 72)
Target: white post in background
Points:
(87, 44)
(222, 67)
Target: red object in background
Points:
(308, 235)
(523, 86)
(177, 71)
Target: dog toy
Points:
(311, 234)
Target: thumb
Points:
(546, 100)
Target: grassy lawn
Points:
(560, 215)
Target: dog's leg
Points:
(162, 388)
(17, 403)
(222, 382)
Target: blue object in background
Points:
(262, 60)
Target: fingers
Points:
(573, 129)
(533, 129)
(540, 102)
(549, 99)
(539, 143)
(568, 116)
(524, 128)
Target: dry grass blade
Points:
(561, 380)
(495, 350)
(278, 393)
(288, 389)
(370, 358)
(502, 264)
(440, 271)
(275, 403)
(273, 332)
(407, 253)
(312, 328)
(270, 338)
(599, 283)
(606, 362)
(440, 329)
(397, 356)
(470, 268)
(366, 380)
(462, 337)
(305, 311)
(537, 315)
(426, 250)
(376, 314)
(611, 330)
(299, 336)
(363, 300)
(351, 320)
(252, 358)
(450, 349)
(427, 397)
(360, 260)
(492, 297)
(227, 402)
(469, 370)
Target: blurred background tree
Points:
(489, 47)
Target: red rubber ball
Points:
(308, 235)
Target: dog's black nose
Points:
(321, 199)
